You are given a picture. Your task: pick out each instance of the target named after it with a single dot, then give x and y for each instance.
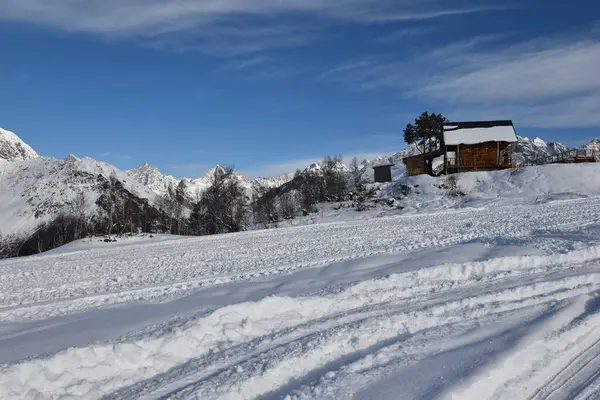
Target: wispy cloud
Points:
(233, 40)
(224, 26)
(546, 82)
(246, 63)
(404, 34)
(390, 72)
(262, 67)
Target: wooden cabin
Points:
(466, 146)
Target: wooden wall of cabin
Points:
(415, 166)
(490, 155)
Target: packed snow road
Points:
(487, 303)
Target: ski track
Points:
(535, 317)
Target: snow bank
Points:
(527, 185)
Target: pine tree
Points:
(428, 128)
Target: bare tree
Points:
(263, 204)
(288, 204)
(310, 185)
(112, 200)
(355, 174)
(79, 209)
(180, 204)
(223, 206)
(335, 187)
(168, 205)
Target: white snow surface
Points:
(480, 135)
(498, 298)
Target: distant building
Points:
(466, 146)
(383, 173)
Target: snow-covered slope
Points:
(527, 185)
(498, 301)
(12, 148)
(37, 190)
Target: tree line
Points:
(226, 205)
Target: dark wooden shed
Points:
(383, 173)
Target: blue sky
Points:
(272, 85)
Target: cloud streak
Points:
(223, 26)
(546, 82)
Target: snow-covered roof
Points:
(474, 132)
(384, 165)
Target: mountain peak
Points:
(593, 144)
(12, 148)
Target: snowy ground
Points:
(475, 303)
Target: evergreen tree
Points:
(428, 128)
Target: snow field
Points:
(44, 286)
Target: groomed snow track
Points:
(488, 303)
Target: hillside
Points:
(495, 299)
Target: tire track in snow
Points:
(585, 365)
(557, 362)
(478, 306)
(276, 367)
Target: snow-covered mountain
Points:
(529, 151)
(152, 178)
(37, 190)
(12, 148)
(159, 183)
(593, 144)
